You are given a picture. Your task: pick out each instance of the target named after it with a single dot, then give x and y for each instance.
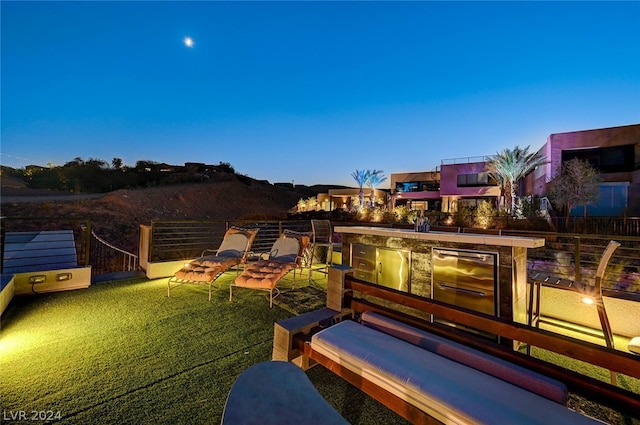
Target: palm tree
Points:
(375, 178)
(361, 177)
(509, 166)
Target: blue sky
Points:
(310, 91)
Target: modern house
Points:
(614, 152)
(420, 191)
(459, 182)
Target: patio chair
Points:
(233, 251)
(322, 237)
(287, 254)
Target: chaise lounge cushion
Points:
(263, 274)
(232, 251)
(509, 372)
(444, 389)
(205, 269)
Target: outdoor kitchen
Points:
(485, 273)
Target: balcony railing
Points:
(570, 255)
(466, 160)
(177, 240)
(107, 258)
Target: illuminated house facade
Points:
(420, 191)
(460, 182)
(614, 151)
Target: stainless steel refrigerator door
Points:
(465, 279)
(394, 268)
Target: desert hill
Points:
(116, 216)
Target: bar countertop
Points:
(470, 238)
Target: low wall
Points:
(163, 269)
(52, 280)
(7, 290)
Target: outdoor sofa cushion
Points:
(512, 373)
(444, 389)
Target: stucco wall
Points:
(449, 180)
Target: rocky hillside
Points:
(117, 216)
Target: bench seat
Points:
(450, 392)
(517, 375)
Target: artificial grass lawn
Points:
(579, 403)
(122, 352)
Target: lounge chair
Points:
(287, 253)
(233, 251)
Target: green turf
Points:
(122, 352)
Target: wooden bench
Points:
(428, 374)
(427, 377)
(439, 379)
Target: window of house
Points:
(476, 179)
(417, 186)
(613, 159)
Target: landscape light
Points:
(587, 300)
(15, 342)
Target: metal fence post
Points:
(87, 243)
(576, 254)
(151, 232)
